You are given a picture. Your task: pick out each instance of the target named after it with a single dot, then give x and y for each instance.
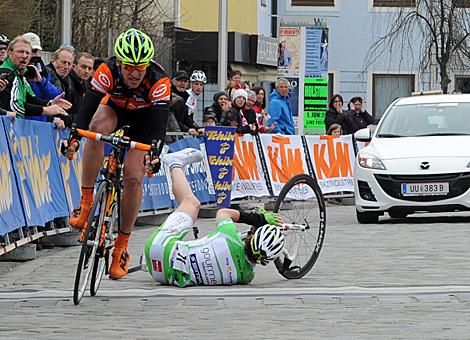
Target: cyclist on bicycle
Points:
(129, 89)
(220, 258)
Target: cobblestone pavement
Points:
(399, 279)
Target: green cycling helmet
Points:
(134, 47)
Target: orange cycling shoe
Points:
(79, 217)
(120, 264)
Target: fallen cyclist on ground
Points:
(223, 257)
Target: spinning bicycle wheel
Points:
(301, 204)
(90, 243)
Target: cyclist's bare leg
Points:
(188, 202)
(131, 199)
(104, 121)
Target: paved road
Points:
(398, 279)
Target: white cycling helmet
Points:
(198, 75)
(267, 243)
(4, 39)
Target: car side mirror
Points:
(363, 135)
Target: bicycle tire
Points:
(89, 246)
(295, 192)
(101, 265)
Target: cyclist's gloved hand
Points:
(69, 150)
(270, 217)
(152, 166)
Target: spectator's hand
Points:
(54, 110)
(270, 129)
(61, 102)
(59, 123)
(193, 132)
(200, 131)
(3, 84)
(12, 115)
(227, 106)
(252, 127)
(37, 76)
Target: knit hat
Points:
(240, 93)
(219, 94)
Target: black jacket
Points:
(77, 90)
(180, 111)
(334, 117)
(359, 120)
(234, 118)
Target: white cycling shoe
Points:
(182, 158)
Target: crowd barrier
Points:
(38, 185)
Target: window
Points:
(462, 84)
(394, 3)
(313, 3)
(388, 87)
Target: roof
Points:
(432, 99)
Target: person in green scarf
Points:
(17, 99)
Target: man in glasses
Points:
(129, 89)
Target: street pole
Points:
(66, 27)
(223, 48)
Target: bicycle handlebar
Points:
(114, 140)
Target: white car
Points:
(418, 159)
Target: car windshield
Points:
(441, 119)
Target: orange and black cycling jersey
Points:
(153, 93)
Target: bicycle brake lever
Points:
(71, 140)
(154, 152)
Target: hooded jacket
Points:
(215, 109)
(281, 114)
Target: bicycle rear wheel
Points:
(90, 243)
(301, 202)
(101, 264)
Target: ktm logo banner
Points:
(285, 158)
(248, 179)
(333, 161)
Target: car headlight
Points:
(370, 162)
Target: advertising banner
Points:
(315, 105)
(289, 52)
(39, 178)
(220, 146)
(11, 208)
(333, 161)
(316, 52)
(71, 170)
(248, 175)
(285, 158)
(196, 173)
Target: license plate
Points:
(424, 189)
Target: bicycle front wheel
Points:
(301, 203)
(91, 242)
(101, 264)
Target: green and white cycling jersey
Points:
(217, 259)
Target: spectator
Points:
(234, 82)
(359, 119)
(245, 122)
(280, 110)
(179, 84)
(209, 120)
(4, 41)
(261, 115)
(18, 96)
(219, 107)
(248, 85)
(198, 79)
(179, 108)
(336, 115)
(44, 88)
(78, 79)
(335, 130)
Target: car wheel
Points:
(397, 214)
(367, 217)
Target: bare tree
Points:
(440, 29)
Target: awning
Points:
(255, 73)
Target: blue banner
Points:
(220, 147)
(196, 172)
(11, 208)
(156, 192)
(316, 52)
(71, 170)
(35, 161)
